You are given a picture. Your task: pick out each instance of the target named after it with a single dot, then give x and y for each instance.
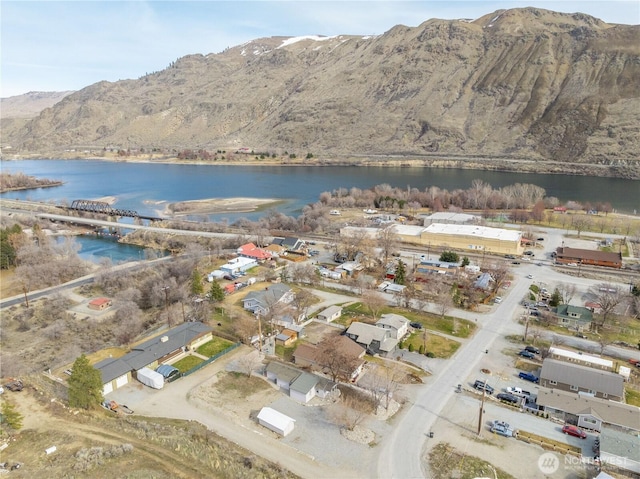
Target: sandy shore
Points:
(219, 205)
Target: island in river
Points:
(219, 205)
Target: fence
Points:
(211, 359)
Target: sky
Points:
(68, 45)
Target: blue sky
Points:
(57, 46)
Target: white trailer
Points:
(150, 378)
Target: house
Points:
(582, 380)
(290, 244)
(237, 265)
(350, 353)
(330, 314)
(620, 451)
(325, 388)
(116, 372)
(589, 412)
(100, 304)
(276, 421)
(286, 337)
(565, 255)
(581, 358)
(397, 325)
(260, 302)
(374, 339)
(575, 317)
(483, 281)
(251, 251)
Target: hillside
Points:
(515, 84)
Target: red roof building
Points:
(100, 304)
(250, 250)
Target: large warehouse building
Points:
(454, 236)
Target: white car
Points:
(530, 276)
(497, 300)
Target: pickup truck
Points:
(518, 391)
(528, 377)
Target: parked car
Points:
(574, 431)
(532, 349)
(530, 276)
(510, 398)
(529, 377)
(480, 385)
(501, 424)
(529, 253)
(497, 300)
(503, 431)
(509, 256)
(540, 239)
(515, 262)
(415, 325)
(526, 354)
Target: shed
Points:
(276, 421)
(330, 314)
(303, 388)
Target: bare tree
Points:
(302, 300)
(387, 241)
(350, 411)
(334, 361)
(374, 302)
(248, 362)
(245, 327)
(608, 298)
(567, 292)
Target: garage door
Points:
(121, 381)
(107, 388)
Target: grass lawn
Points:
(460, 328)
(286, 353)
(187, 363)
(214, 346)
(632, 396)
(440, 346)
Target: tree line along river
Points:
(147, 187)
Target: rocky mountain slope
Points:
(522, 84)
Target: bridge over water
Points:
(105, 208)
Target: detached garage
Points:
(276, 421)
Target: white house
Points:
(236, 265)
(276, 421)
(330, 314)
(303, 388)
(397, 325)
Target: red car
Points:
(574, 431)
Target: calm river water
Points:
(146, 187)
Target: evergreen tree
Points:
(215, 292)
(556, 298)
(11, 417)
(85, 384)
(196, 283)
(401, 273)
(465, 261)
(449, 257)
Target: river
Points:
(147, 187)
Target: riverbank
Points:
(478, 163)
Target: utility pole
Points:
(526, 328)
(166, 303)
(484, 391)
(259, 333)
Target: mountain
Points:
(518, 85)
(30, 104)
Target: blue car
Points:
(527, 354)
(529, 377)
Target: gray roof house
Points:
(290, 243)
(581, 379)
(397, 325)
(374, 339)
(259, 302)
(605, 412)
(620, 450)
(300, 385)
(116, 372)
